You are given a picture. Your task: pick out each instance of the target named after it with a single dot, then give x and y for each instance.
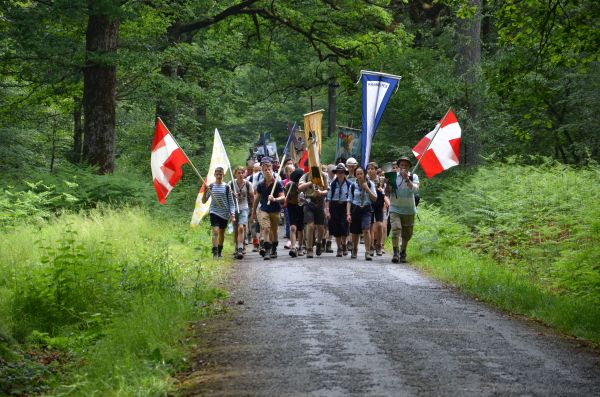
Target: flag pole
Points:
(435, 131)
(189, 161)
(233, 182)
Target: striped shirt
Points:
(360, 197)
(403, 201)
(227, 205)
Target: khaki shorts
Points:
(402, 225)
(268, 221)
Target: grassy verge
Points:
(524, 238)
(99, 304)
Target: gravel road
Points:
(338, 327)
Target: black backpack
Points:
(417, 197)
(334, 186)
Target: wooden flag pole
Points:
(435, 131)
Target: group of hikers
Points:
(345, 203)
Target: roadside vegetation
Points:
(524, 238)
(98, 301)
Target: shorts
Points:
(296, 215)
(314, 213)
(217, 221)
(402, 225)
(338, 223)
(269, 221)
(241, 218)
(361, 219)
(377, 214)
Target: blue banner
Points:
(377, 90)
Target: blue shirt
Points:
(342, 190)
(360, 197)
(265, 192)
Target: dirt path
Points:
(337, 327)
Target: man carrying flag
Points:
(219, 214)
(403, 208)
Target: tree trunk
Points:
(99, 85)
(77, 131)
(468, 65)
(332, 96)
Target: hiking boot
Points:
(267, 249)
(240, 253)
(319, 249)
(293, 252)
(395, 258)
(344, 250)
(309, 253)
(378, 250)
(328, 247)
(403, 257)
(215, 253)
(354, 254)
(274, 250)
(262, 250)
(368, 256)
(349, 246)
(339, 252)
(220, 251)
(301, 251)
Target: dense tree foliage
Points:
(83, 81)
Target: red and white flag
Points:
(440, 149)
(166, 161)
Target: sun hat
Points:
(404, 158)
(341, 167)
(351, 161)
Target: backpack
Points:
(334, 186)
(417, 197)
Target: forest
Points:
(99, 282)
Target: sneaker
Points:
(293, 252)
(267, 256)
(354, 254)
(368, 256)
(395, 258)
(379, 250)
(309, 253)
(274, 253)
(339, 252)
(345, 250)
(403, 257)
(328, 247)
(319, 249)
(240, 253)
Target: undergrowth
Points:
(98, 303)
(525, 238)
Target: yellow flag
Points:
(218, 159)
(312, 130)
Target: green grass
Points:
(530, 247)
(109, 294)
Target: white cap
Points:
(351, 161)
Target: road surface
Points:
(339, 327)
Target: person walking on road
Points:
(242, 189)
(362, 195)
(336, 208)
(270, 207)
(403, 209)
(222, 209)
(314, 211)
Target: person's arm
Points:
(414, 184)
(205, 195)
(304, 183)
(367, 187)
(348, 208)
(255, 204)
